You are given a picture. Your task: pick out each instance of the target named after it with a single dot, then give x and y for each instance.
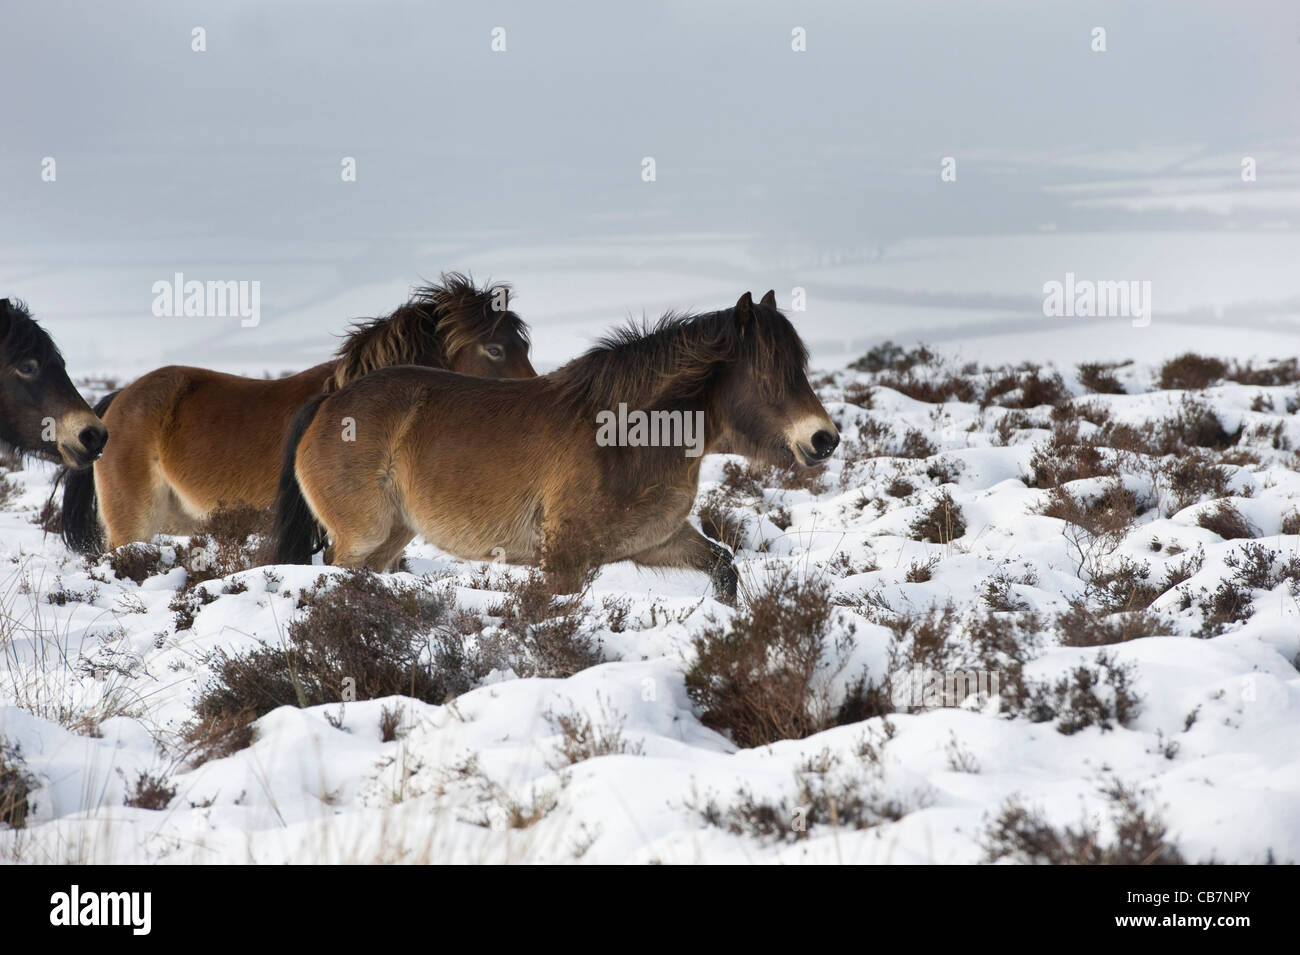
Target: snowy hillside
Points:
(1110, 554)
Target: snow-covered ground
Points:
(97, 681)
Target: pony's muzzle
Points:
(88, 445)
(824, 444)
(820, 446)
(93, 439)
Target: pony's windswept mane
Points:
(24, 337)
(430, 329)
(674, 359)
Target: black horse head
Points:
(41, 413)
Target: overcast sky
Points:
(225, 164)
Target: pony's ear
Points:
(5, 320)
(769, 300)
(745, 311)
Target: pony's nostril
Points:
(824, 442)
(93, 439)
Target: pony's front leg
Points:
(568, 556)
(689, 548)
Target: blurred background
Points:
(774, 168)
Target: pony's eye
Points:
(496, 351)
(28, 368)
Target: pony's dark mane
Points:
(675, 358)
(430, 329)
(24, 337)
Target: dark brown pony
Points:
(189, 440)
(41, 412)
(527, 471)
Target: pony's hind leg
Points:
(352, 492)
(133, 501)
(389, 554)
(359, 522)
(375, 545)
(687, 547)
(359, 552)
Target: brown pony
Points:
(41, 413)
(189, 440)
(533, 472)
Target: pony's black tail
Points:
(79, 517)
(296, 534)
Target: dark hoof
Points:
(725, 580)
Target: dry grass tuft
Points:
(761, 678)
(1022, 835)
(16, 785)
